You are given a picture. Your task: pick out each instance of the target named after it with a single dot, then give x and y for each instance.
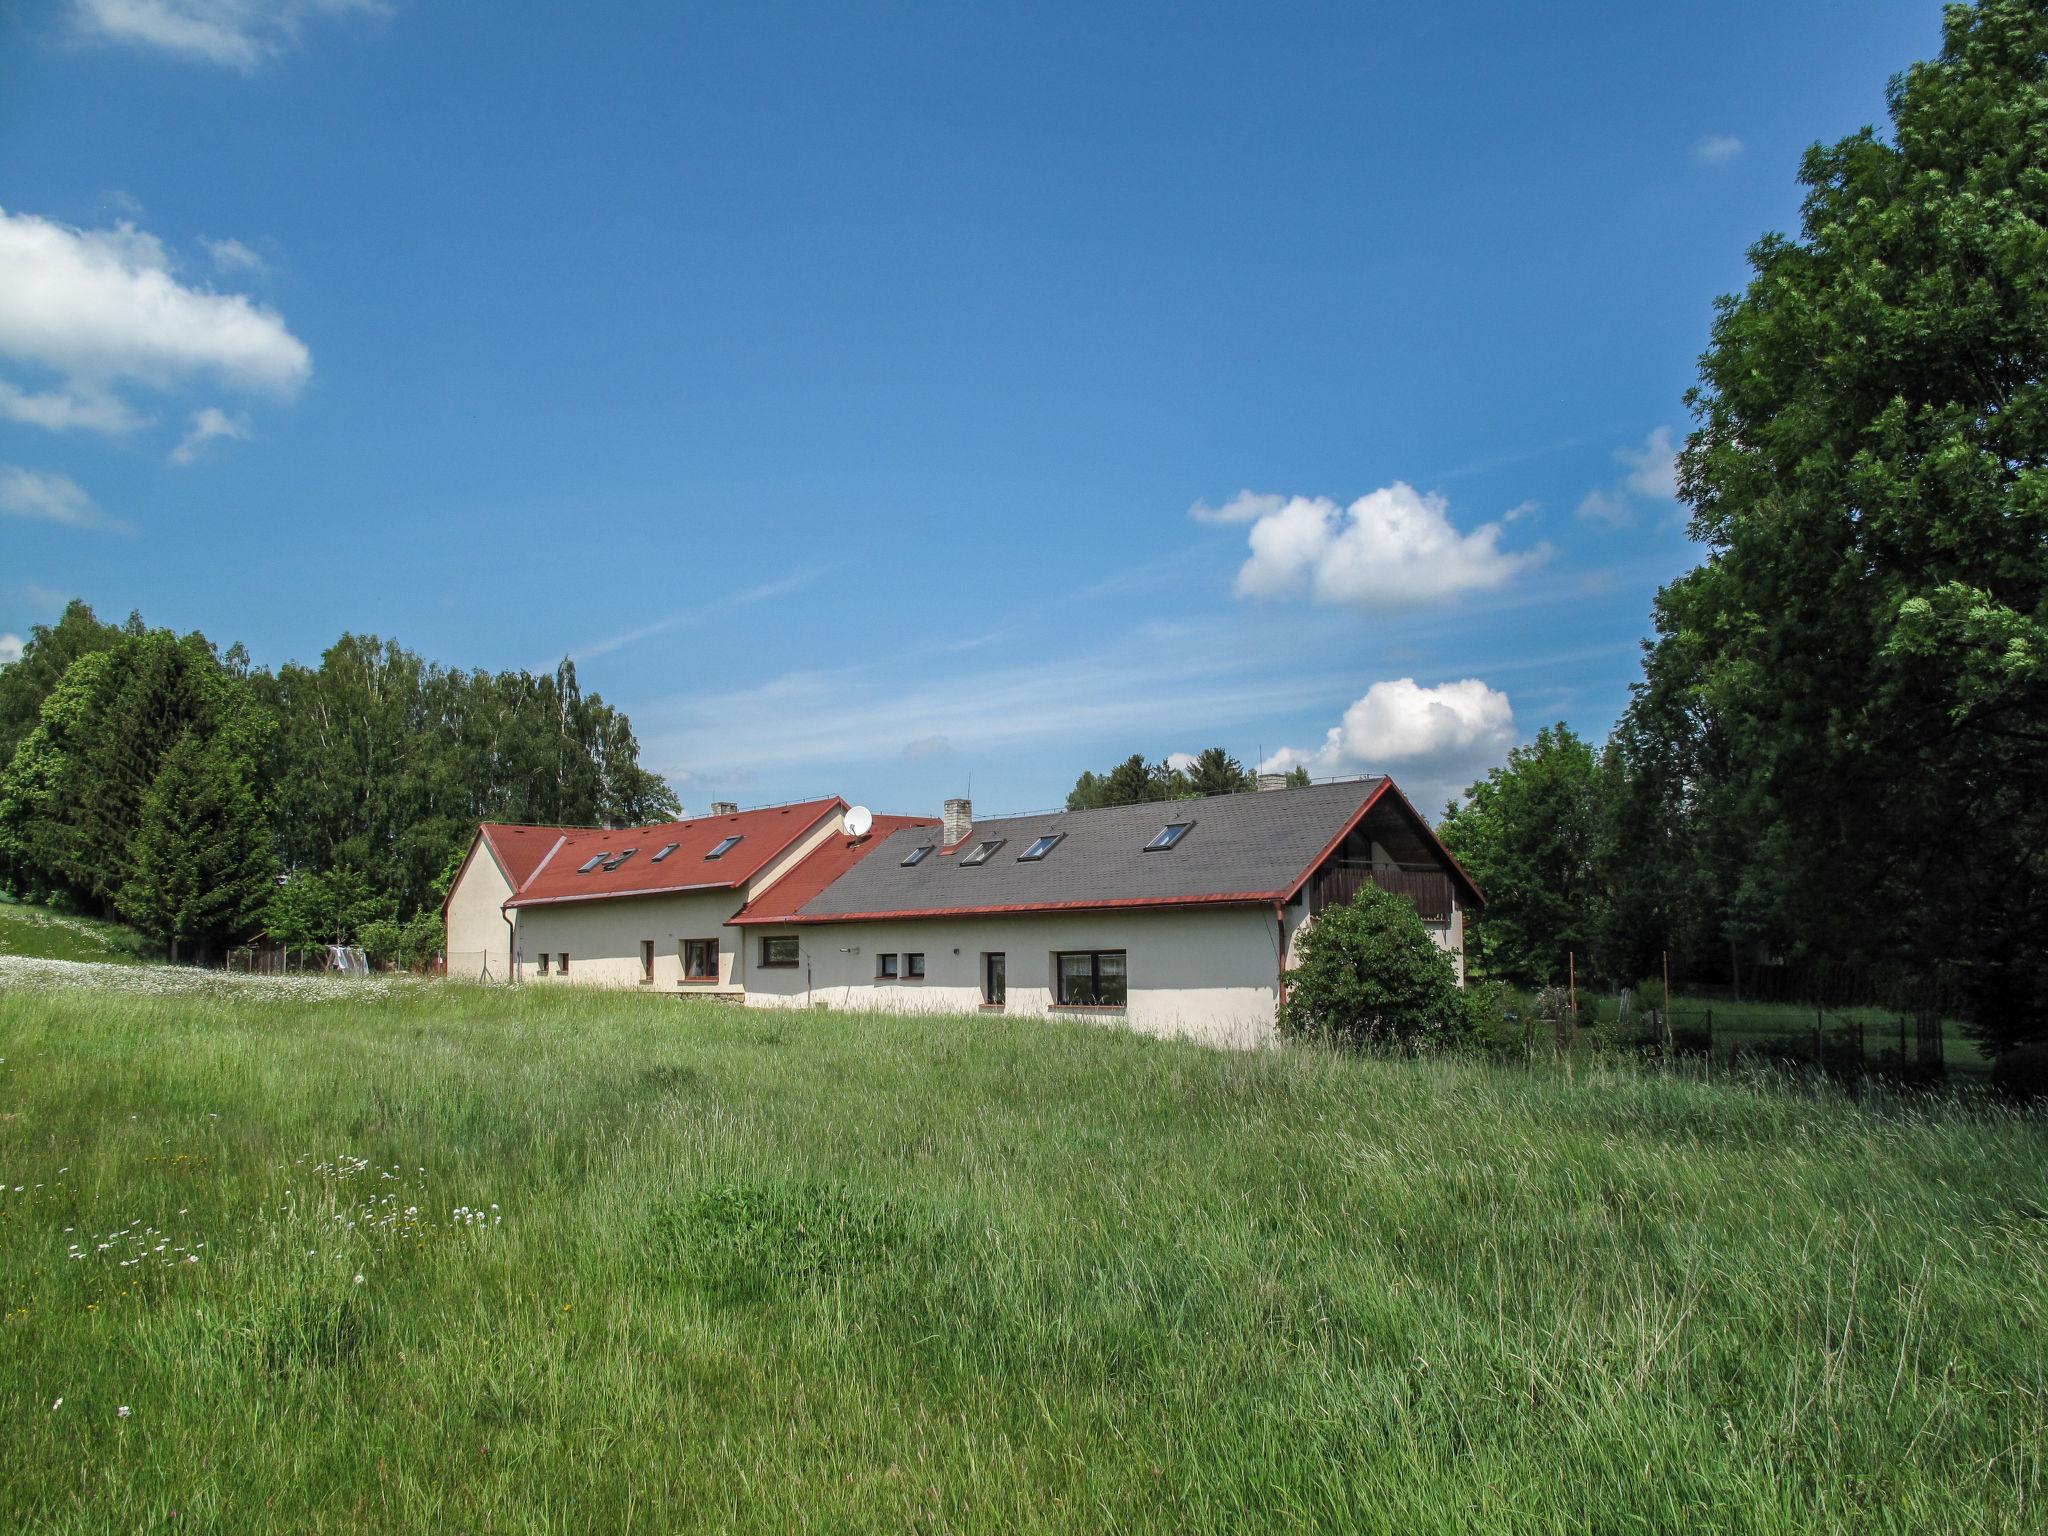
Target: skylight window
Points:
(1041, 848)
(1168, 836)
(983, 853)
(612, 864)
(916, 856)
(591, 863)
(725, 846)
(667, 849)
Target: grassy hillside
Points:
(37, 931)
(400, 1256)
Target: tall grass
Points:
(728, 1269)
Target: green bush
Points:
(1495, 1019)
(1371, 975)
(381, 940)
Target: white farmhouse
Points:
(1177, 918)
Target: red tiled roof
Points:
(764, 835)
(519, 850)
(819, 868)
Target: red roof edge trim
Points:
(1219, 899)
(652, 890)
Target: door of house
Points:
(995, 982)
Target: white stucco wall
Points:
(603, 938)
(1210, 975)
(477, 938)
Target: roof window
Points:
(1168, 836)
(916, 856)
(612, 864)
(591, 863)
(725, 846)
(983, 853)
(1040, 848)
(667, 849)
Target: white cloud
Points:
(208, 425)
(49, 498)
(1183, 761)
(1520, 510)
(10, 649)
(1652, 476)
(59, 410)
(239, 33)
(1391, 550)
(233, 256)
(693, 617)
(1434, 740)
(101, 307)
(1717, 149)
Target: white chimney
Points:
(959, 820)
(725, 808)
(1272, 781)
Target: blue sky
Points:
(884, 400)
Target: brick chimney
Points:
(725, 807)
(1272, 781)
(959, 821)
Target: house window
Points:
(885, 967)
(562, 962)
(725, 846)
(995, 990)
(591, 863)
(700, 959)
(543, 962)
(779, 950)
(612, 864)
(1168, 836)
(1040, 848)
(916, 856)
(667, 849)
(646, 960)
(982, 853)
(913, 967)
(1092, 978)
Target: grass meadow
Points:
(414, 1256)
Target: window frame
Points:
(667, 849)
(1041, 845)
(887, 966)
(614, 863)
(984, 851)
(591, 863)
(913, 965)
(1095, 958)
(795, 952)
(646, 961)
(562, 962)
(709, 979)
(990, 960)
(916, 856)
(1161, 843)
(543, 962)
(725, 846)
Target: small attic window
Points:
(1040, 848)
(916, 856)
(612, 864)
(1168, 836)
(725, 846)
(667, 849)
(982, 853)
(591, 863)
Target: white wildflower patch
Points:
(24, 973)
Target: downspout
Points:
(1280, 950)
(511, 943)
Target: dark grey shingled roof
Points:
(1251, 846)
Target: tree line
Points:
(1837, 753)
(152, 777)
(1137, 782)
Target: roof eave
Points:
(1024, 909)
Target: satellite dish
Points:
(859, 821)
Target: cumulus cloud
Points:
(208, 425)
(238, 33)
(60, 410)
(48, 498)
(1717, 149)
(233, 256)
(1652, 476)
(10, 649)
(1183, 762)
(101, 307)
(1391, 550)
(1434, 740)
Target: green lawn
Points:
(632, 1263)
(39, 932)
